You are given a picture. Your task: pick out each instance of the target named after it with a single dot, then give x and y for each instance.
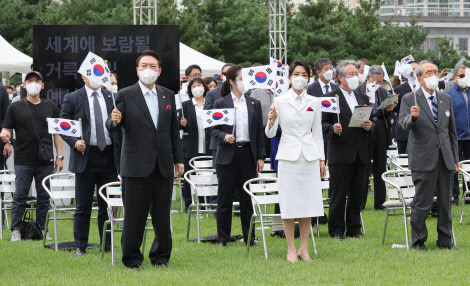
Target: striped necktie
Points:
(434, 106)
(327, 87)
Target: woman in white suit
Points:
(301, 158)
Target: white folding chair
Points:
(201, 162)
(112, 195)
(204, 184)
(264, 191)
(267, 164)
(7, 189)
(400, 162)
(465, 171)
(59, 187)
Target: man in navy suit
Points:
(324, 70)
(94, 160)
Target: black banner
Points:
(59, 50)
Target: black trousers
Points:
(141, 195)
(464, 154)
(427, 183)
(98, 172)
(402, 146)
(346, 180)
(232, 177)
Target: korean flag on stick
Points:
(215, 117)
(279, 66)
(263, 77)
(96, 70)
(64, 126)
(329, 104)
(282, 85)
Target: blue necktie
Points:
(434, 107)
(327, 87)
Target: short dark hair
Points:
(297, 63)
(198, 79)
(364, 61)
(226, 65)
(149, 53)
(17, 83)
(9, 87)
(320, 63)
(189, 69)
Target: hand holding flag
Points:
(64, 126)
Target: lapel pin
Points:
(163, 96)
(440, 101)
(252, 102)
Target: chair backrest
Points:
(263, 191)
(201, 162)
(399, 184)
(267, 164)
(7, 181)
(267, 174)
(111, 193)
(60, 186)
(400, 162)
(203, 182)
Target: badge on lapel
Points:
(447, 113)
(309, 109)
(168, 107)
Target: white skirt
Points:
(300, 193)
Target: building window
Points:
(463, 45)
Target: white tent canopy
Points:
(12, 60)
(190, 56)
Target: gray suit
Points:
(433, 152)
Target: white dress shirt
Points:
(428, 97)
(104, 114)
(242, 131)
(322, 84)
(201, 135)
(350, 98)
(150, 95)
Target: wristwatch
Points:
(60, 157)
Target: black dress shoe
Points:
(357, 236)
(338, 237)
(419, 247)
(253, 244)
(455, 203)
(451, 246)
(222, 244)
(78, 252)
(162, 264)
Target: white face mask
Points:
(462, 83)
(353, 82)
(328, 75)
(222, 77)
(18, 89)
(299, 82)
(197, 91)
(33, 88)
(10, 96)
(114, 88)
(94, 85)
(432, 82)
(148, 76)
(241, 86)
(362, 77)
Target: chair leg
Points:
(385, 226)
(453, 234)
(181, 197)
(171, 223)
(56, 242)
(6, 219)
(46, 229)
(406, 228)
(190, 210)
(250, 229)
(263, 236)
(318, 226)
(362, 225)
(1, 219)
(463, 206)
(313, 241)
(103, 239)
(198, 221)
(113, 253)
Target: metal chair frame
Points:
(7, 187)
(464, 170)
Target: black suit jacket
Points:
(4, 102)
(75, 106)
(226, 150)
(401, 90)
(315, 89)
(143, 145)
(190, 131)
(353, 141)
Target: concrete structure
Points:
(431, 8)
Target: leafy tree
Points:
(445, 55)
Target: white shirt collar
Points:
(234, 98)
(89, 91)
(346, 92)
(194, 101)
(322, 84)
(295, 95)
(427, 94)
(145, 89)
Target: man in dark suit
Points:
(348, 154)
(94, 160)
(324, 70)
(5, 147)
(433, 155)
(381, 138)
(151, 153)
(401, 136)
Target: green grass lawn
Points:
(353, 261)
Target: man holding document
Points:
(348, 151)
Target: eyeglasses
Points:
(224, 73)
(194, 75)
(460, 75)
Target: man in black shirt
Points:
(28, 118)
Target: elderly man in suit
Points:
(433, 154)
(151, 148)
(348, 154)
(381, 139)
(324, 70)
(94, 160)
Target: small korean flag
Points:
(215, 117)
(263, 77)
(63, 126)
(329, 104)
(96, 70)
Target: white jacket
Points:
(301, 127)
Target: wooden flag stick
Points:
(234, 121)
(81, 132)
(337, 102)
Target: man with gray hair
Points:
(348, 154)
(381, 138)
(460, 94)
(428, 115)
